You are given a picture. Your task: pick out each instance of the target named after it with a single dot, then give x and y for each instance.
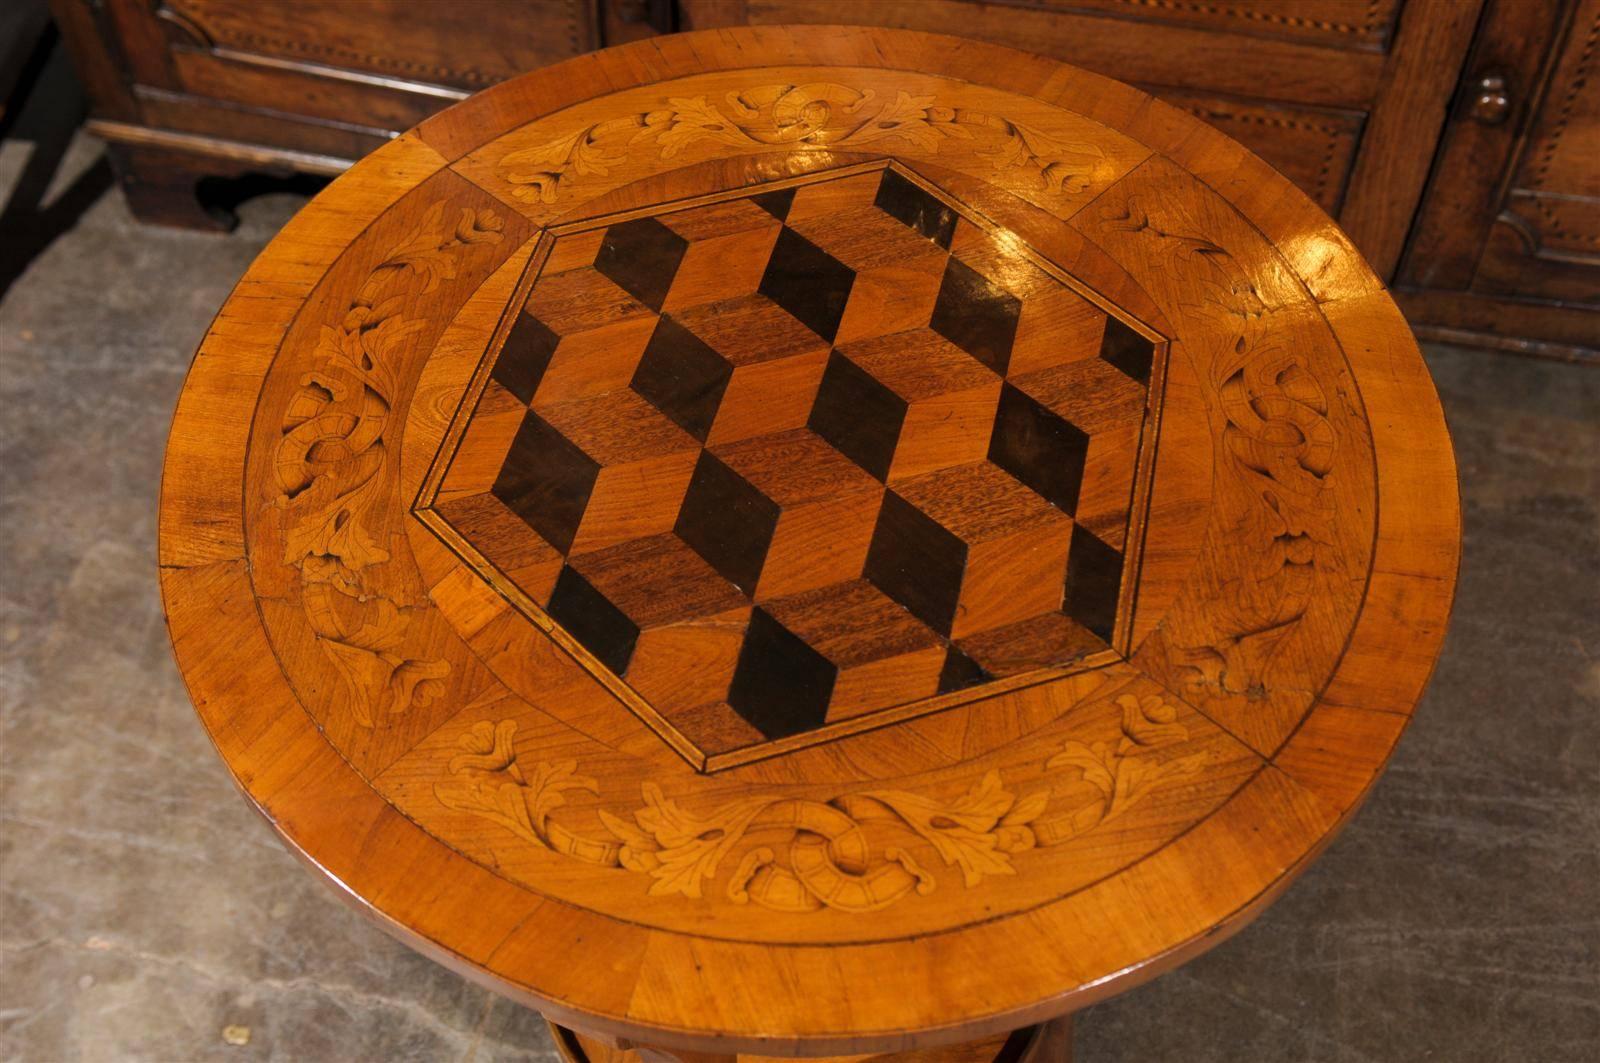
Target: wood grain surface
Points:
(808, 541)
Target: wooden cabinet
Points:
(186, 90)
(1506, 247)
(1454, 139)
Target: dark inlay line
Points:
(546, 480)
(1094, 583)
(641, 257)
(524, 358)
(1043, 450)
(859, 416)
(1127, 350)
(918, 562)
(781, 686)
(682, 377)
(810, 284)
(976, 315)
(591, 618)
(727, 521)
(912, 206)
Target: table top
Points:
(808, 539)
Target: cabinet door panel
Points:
(1546, 241)
(1507, 241)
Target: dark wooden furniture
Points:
(1453, 139)
(1506, 246)
(809, 540)
(186, 90)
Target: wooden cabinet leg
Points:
(164, 186)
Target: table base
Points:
(1049, 1042)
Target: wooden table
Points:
(809, 541)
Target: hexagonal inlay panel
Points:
(805, 459)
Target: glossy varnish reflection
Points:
(754, 468)
(689, 532)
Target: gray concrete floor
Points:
(145, 912)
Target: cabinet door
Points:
(1507, 244)
(1345, 97)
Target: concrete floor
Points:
(146, 913)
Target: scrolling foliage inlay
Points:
(819, 115)
(847, 853)
(1279, 446)
(1278, 580)
(329, 464)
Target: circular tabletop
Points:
(808, 539)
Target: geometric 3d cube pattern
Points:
(804, 456)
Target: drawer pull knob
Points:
(1491, 100)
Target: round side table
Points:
(806, 542)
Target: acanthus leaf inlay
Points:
(1277, 445)
(816, 116)
(329, 466)
(841, 853)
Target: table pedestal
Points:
(1049, 1042)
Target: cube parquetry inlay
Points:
(790, 463)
